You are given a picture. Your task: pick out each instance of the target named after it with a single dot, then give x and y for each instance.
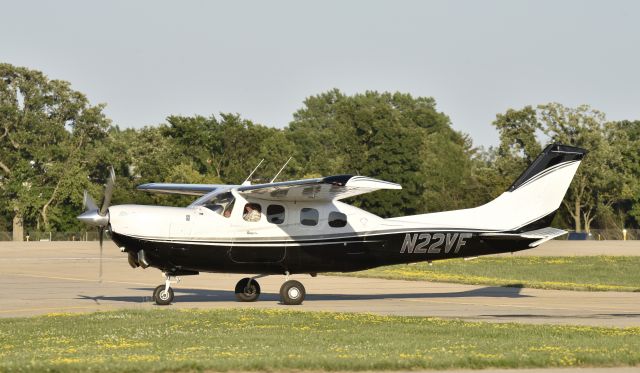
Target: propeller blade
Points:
(101, 240)
(98, 216)
(88, 204)
(108, 191)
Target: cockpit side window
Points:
(228, 209)
(221, 204)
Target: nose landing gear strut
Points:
(163, 294)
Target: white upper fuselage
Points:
(199, 223)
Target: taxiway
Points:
(53, 277)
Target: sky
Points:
(150, 59)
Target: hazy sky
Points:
(149, 59)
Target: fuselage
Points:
(294, 237)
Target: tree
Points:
(629, 210)
(392, 136)
(48, 132)
(456, 175)
(228, 149)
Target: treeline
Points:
(54, 144)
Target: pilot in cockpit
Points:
(221, 204)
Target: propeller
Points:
(99, 217)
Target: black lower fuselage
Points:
(314, 255)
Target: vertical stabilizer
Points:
(529, 203)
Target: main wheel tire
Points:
(247, 290)
(162, 297)
(292, 292)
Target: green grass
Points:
(250, 339)
(591, 273)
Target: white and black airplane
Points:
(301, 227)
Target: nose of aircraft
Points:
(93, 217)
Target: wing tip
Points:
(369, 182)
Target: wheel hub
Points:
(164, 295)
(294, 293)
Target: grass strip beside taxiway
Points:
(588, 273)
(252, 339)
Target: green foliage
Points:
(391, 136)
(628, 211)
(455, 175)
(228, 148)
(49, 133)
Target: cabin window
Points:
(251, 212)
(337, 219)
(309, 216)
(275, 214)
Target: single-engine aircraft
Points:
(301, 227)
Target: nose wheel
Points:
(163, 294)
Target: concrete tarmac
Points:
(52, 277)
(583, 248)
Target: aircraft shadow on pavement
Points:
(204, 295)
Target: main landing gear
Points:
(247, 290)
(292, 292)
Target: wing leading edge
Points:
(184, 189)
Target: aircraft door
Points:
(255, 241)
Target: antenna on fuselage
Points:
(282, 168)
(247, 181)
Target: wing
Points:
(321, 189)
(185, 189)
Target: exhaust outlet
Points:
(142, 259)
(133, 261)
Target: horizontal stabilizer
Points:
(542, 235)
